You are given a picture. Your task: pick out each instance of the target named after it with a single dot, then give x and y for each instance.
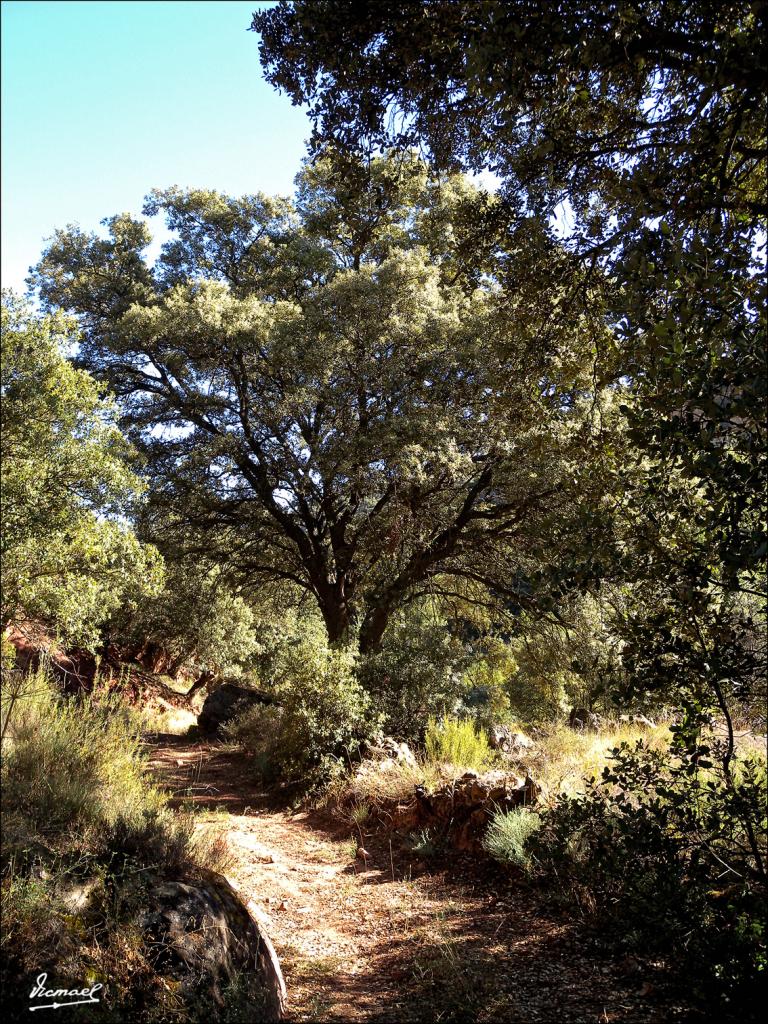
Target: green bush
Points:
(575, 662)
(458, 742)
(486, 681)
(416, 674)
(508, 834)
(322, 717)
(668, 852)
(197, 623)
(72, 763)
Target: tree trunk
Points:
(372, 630)
(336, 618)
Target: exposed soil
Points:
(392, 938)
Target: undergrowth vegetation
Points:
(564, 759)
(85, 836)
(457, 741)
(507, 834)
(322, 716)
(668, 853)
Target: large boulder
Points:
(190, 949)
(203, 939)
(225, 703)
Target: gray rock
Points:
(399, 751)
(521, 742)
(77, 896)
(646, 723)
(583, 720)
(503, 738)
(226, 702)
(388, 748)
(202, 938)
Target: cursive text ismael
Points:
(70, 996)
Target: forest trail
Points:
(391, 939)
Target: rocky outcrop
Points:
(583, 720)
(507, 740)
(225, 703)
(461, 809)
(192, 948)
(640, 720)
(203, 939)
(388, 749)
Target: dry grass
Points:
(564, 759)
(561, 762)
(377, 783)
(83, 827)
(161, 717)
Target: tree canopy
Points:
(326, 392)
(68, 481)
(637, 134)
(626, 110)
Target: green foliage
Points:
(415, 674)
(322, 717)
(573, 661)
(196, 622)
(545, 95)
(535, 666)
(638, 133)
(351, 413)
(487, 682)
(426, 843)
(507, 835)
(670, 853)
(67, 482)
(457, 741)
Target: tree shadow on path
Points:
(396, 938)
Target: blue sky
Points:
(102, 101)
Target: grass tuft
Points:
(506, 836)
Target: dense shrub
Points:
(669, 851)
(416, 673)
(571, 662)
(322, 716)
(72, 763)
(486, 680)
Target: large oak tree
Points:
(339, 394)
(639, 129)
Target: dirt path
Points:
(390, 940)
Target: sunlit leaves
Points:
(67, 552)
